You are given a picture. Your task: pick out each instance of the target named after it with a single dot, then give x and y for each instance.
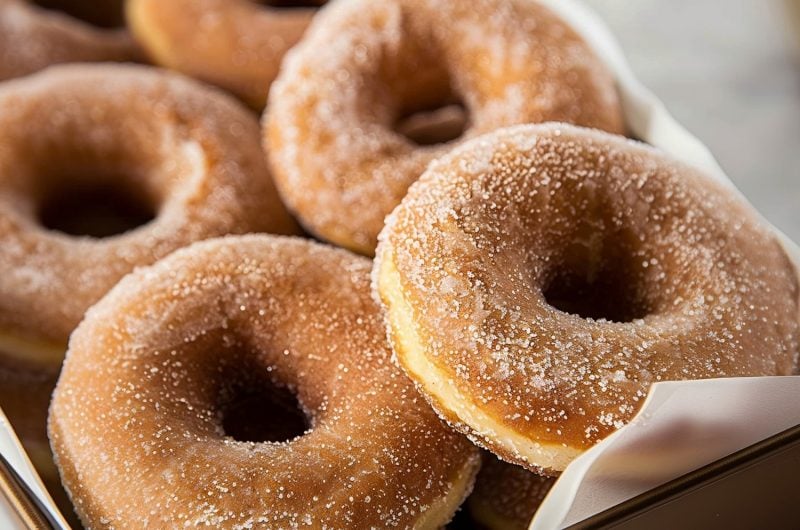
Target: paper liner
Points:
(683, 425)
(11, 449)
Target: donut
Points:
(506, 496)
(71, 139)
(235, 44)
(337, 114)
(139, 420)
(34, 35)
(187, 155)
(539, 279)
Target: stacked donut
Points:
(535, 271)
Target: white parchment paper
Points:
(13, 452)
(683, 425)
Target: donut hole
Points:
(97, 210)
(426, 108)
(609, 288)
(293, 4)
(438, 124)
(107, 14)
(261, 411)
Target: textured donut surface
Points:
(660, 273)
(235, 44)
(32, 38)
(190, 152)
(135, 421)
(362, 66)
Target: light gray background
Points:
(729, 70)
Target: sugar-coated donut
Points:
(336, 112)
(133, 129)
(235, 44)
(138, 417)
(506, 496)
(32, 37)
(191, 154)
(538, 280)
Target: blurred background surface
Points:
(729, 70)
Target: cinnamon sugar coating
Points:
(189, 152)
(364, 66)
(32, 38)
(660, 273)
(136, 418)
(235, 44)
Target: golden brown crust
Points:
(136, 419)
(692, 285)
(506, 496)
(364, 65)
(192, 151)
(235, 44)
(32, 38)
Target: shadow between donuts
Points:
(463, 520)
(292, 4)
(108, 14)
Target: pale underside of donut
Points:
(438, 385)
